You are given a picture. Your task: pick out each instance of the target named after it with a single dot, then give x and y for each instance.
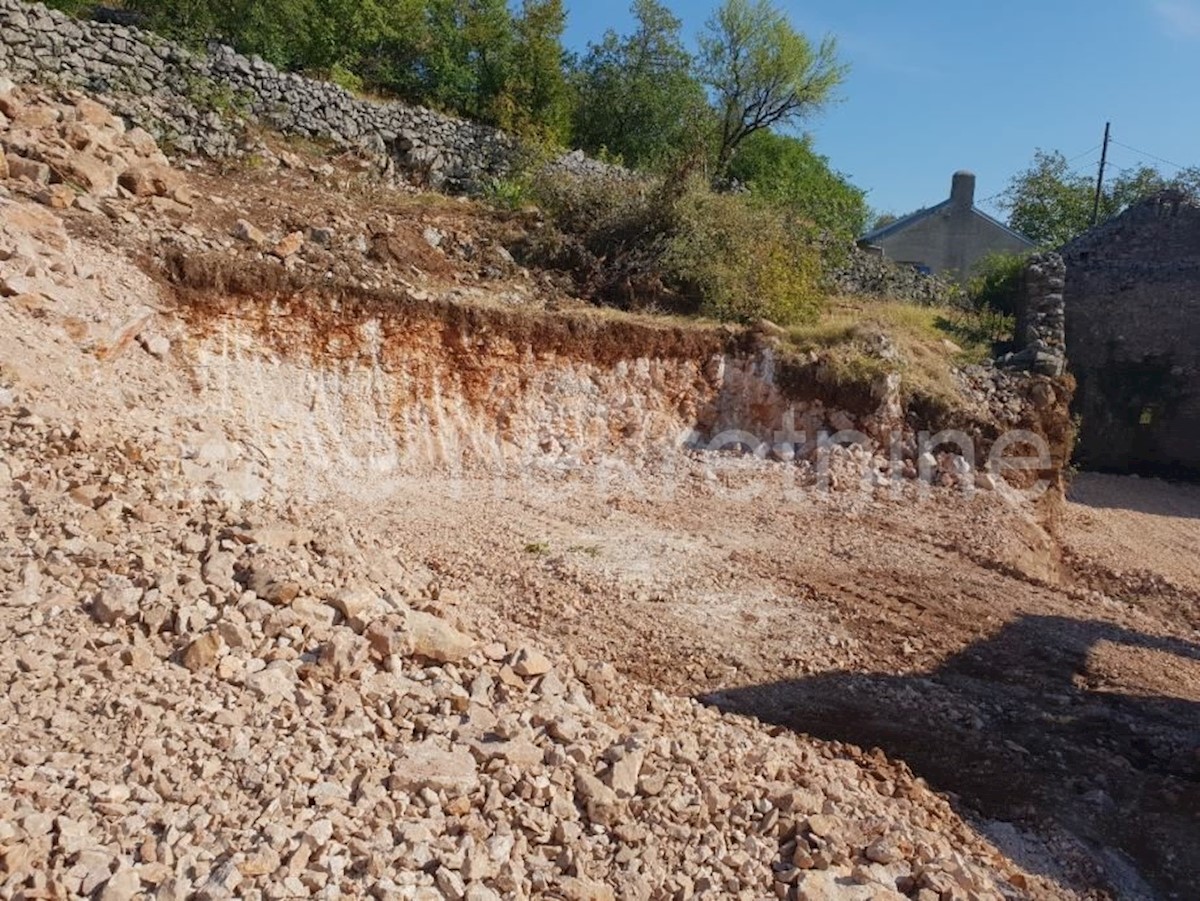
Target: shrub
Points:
(995, 283)
(788, 172)
(345, 79)
(673, 243)
(72, 7)
(507, 193)
(743, 260)
(600, 209)
(982, 327)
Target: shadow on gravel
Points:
(1156, 496)
(1021, 728)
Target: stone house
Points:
(1133, 337)
(949, 238)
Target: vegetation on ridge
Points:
(641, 99)
(729, 217)
(1051, 204)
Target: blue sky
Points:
(940, 85)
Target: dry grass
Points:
(860, 340)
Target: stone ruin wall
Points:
(172, 92)
(1133, 327)
(1040, 329)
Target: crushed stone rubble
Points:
(212, 694)
(215, 702)
(69, 152)
(220, 702)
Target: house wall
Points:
(1133, 338)
(950, 241)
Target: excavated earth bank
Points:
(376, 591)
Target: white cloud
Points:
(1180, 18)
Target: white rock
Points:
(277, 679)
(530, 662)
(435, 639)
(428, 766)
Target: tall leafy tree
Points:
(465, 55)
(786, 171)
(762, 72)
(638, 95)
(536, 99)
(309, 35)
(356, 35)
(1051, 204)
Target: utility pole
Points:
(1100, 180)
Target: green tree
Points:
(354, 35)
(1051, 204)
(189, 21)
(1048, 203)
(786, 170)
(638, 97)
(881, 220)
(464, 56)
(310, 35)
(762, 72)
(389, 55)
(536, 99)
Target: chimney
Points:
(962, 190)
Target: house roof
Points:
(911, 219)
(902, 223)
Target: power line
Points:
(1149, 155)
(1128, 159)
(1001, 193)
(1085, 153)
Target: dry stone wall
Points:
(864, 273)
(1041, 318)
(185, 98)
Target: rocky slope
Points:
(255, 649)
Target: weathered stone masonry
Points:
(1040, 318)
(171, 92)
(1133, 327)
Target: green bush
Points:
(728, 256)
(345, 79)
(995, 283)
(507, 193)
(984, 327)
(787, 171)
(72, 7)
(744, 260)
